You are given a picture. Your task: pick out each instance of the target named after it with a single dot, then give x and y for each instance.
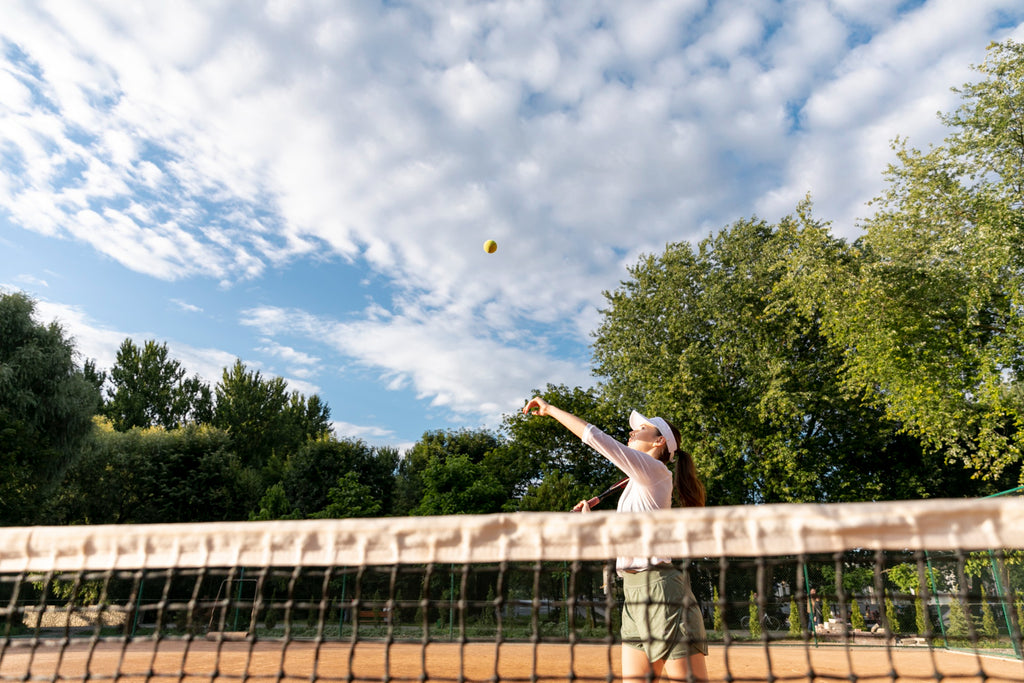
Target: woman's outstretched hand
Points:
(582, 506)
(536, 406)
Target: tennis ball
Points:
(490, 246)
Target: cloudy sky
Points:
(307, 185)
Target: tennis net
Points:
(909, 590)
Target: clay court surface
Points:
(230, 660)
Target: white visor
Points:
(636, 421)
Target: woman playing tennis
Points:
(662, 627)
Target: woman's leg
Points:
(635, 665)
(679, 669)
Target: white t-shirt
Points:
(649, 487)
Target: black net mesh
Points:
(926, 611)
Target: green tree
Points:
(274, 504)
(447, 472)
(855, 579)
(905, 578)
(457, 485)
(553, 493)
(154, 475)
(718, 340)
(263, 418)
(326, 478)
(931, 309)
(96, 379)
(310, 416)
(46, 407)
(151, 389)
(351, 498)
(254, 412)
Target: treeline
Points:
(798, 366)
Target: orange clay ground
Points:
(375, 661)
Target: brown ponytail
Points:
(689, 489)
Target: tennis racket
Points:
(604, 494)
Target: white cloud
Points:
(225, 141)
(31, 280)
(870, 13)
(653, 31)
(892, 86)
(288, 354)
(436, 355)
(731, 31)
(473, 98)
(366, 432)
(186, 306)
(384, 151)
(372, 435)
(13, 93)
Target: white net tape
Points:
(747, 531)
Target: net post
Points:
(565, 595)
(926, 583)
(238, 596)
(141, 573)
(811, 620)
(723, 570)
(341, 605)
(1003, 597)
(424, 606)
(1006, 597)
(938, 605)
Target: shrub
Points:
(755, 620)
(795, 618)
(988, 620)
(856, 618)
(958, 626)
(892, 618)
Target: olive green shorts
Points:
(660, 615)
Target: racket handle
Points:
(598, 498)
(590, 503)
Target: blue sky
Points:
(307, 186)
